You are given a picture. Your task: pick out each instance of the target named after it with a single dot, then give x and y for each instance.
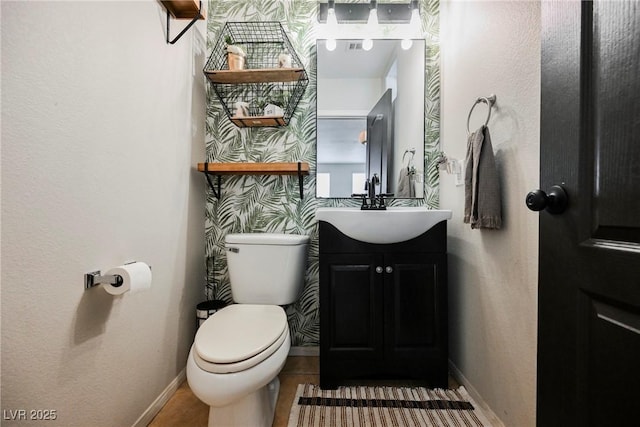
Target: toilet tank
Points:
(266, 268)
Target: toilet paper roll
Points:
(135, 277)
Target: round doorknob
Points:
(389, 269)
(555, 201)
(379, 269)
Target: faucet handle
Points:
(363, 196)
(381, 197)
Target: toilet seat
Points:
(239, 337)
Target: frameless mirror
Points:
(370, 118)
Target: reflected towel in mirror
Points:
(406, 183)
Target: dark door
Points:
(589, 276)
(380, 141)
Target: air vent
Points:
(355, 45)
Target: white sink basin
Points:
(391, 226)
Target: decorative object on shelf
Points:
(273, 110)
(272, 74)
(182, 9)
(284, 60)
(242, 109)
(235, 55)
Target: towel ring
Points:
(490, 100)
(411, 151)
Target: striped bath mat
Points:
(383, 406)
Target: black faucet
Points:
(376, 201)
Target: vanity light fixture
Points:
(358, 13)
(372, 13)
(372, 25)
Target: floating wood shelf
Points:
(256, 121)
(251, 168)
(263, 75)
(182, 9)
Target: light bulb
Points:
(331, 45)
(372, 29)
(406, 44)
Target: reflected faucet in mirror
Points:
(372, 187)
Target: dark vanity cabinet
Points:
(383, 308)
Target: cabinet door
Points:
(350, 306)
(415, 307)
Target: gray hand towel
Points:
(482, 204)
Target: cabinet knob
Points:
(378, 269)
(389, 269)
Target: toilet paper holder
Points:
(94, 278)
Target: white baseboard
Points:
(148, 415)
(486, 410)
(304, 351)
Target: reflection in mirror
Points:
(370, 118)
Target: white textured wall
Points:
(348, 95)
(102, 123)
(494, 47)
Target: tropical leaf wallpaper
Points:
(273, 203)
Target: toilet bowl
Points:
(239, 351)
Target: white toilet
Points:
(238, 352)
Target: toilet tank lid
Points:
(267, 239)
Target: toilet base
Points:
(256, 409)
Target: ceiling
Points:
(349, 60)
